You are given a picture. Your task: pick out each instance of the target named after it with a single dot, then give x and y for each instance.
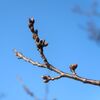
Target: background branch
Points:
(61, 73)
(91, 27)
(26, 89)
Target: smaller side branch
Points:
(40, 46)
(61, 74)
(46, 79)
(50, 67)
(21, 56)
(39, 43)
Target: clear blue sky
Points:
(67, 44)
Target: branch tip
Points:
(46, 79)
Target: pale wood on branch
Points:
(40, 46)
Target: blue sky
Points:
(67, 45)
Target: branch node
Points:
(35, 37)
(84, 80)
(43, 43)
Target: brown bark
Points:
(40, 46)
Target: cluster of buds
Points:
(73, 68)
(43, 43)
(31, 24)
(40, 43)
(35, 37)
(46, 79)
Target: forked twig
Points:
(40, 47)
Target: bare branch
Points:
(46, 79)
(61, 74)
(39, 43)
(40, 46)
(21, 56)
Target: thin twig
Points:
(62, 74)
(40, 46)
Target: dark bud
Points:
(73, 68)
(30, 25)
(17, 54)
(44, 43)
(36, 31)
(46, 79)
(31, 22)
(35, 37)
(32, 29)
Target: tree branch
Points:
(40, 46)
(61, 74)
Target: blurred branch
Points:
(93, 31)
(46, 92)
(40, 46)
(26, 89)
(2, 95)
(92, 12)
(91, 28)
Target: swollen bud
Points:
(31, 22)
(73, 68)
(46, 79)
